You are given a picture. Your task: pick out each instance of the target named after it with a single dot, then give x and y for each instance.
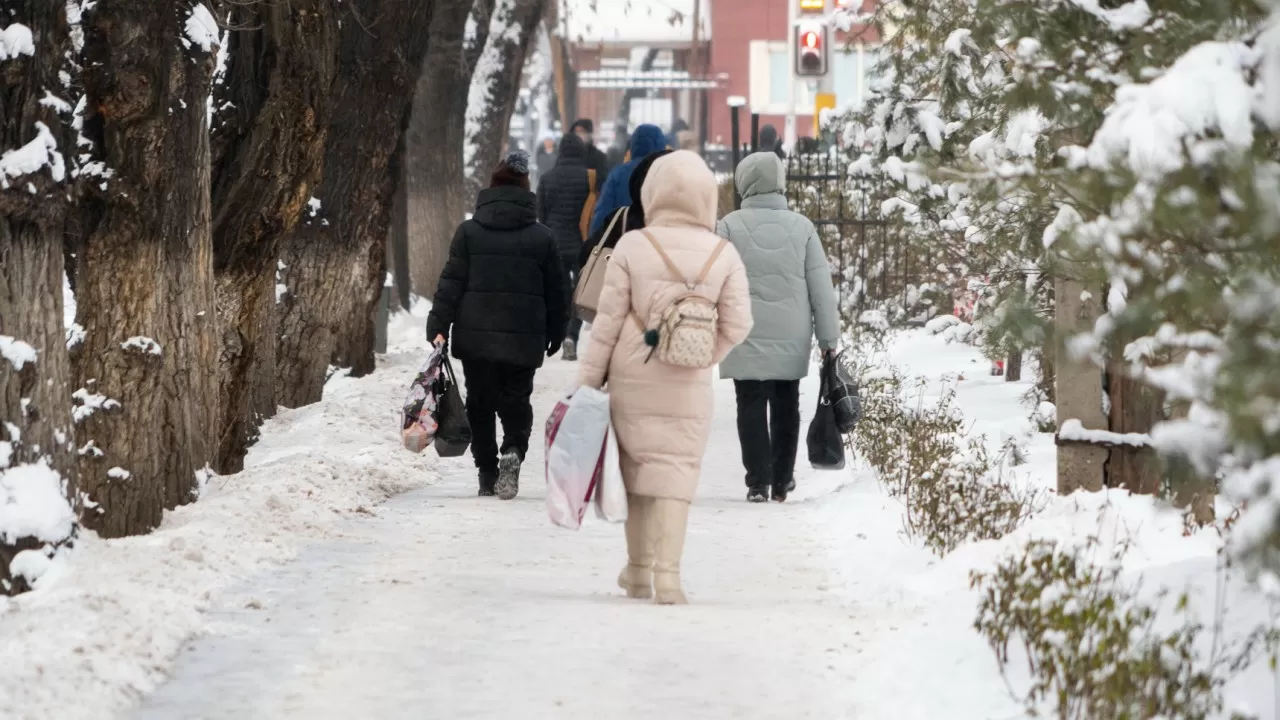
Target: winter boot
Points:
(780, 493)
(570, 351)
(758, 494)
(667, 522)
(488, 479)
(637, 577)
(508, 485)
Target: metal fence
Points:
(874, 267)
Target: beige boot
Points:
(668, 520)
(637, 577)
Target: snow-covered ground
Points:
(340, 576)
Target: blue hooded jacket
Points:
(616, 193)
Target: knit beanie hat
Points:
(513, 170)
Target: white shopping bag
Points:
(576, 434)
(611, 493)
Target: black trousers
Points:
(574, 326)
(501, 390)
(768, 430)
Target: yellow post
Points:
(821, 101)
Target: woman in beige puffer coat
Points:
(662, 413)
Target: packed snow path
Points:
(441, 604)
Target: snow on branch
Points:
(36, 155)
(33, 504)
(201, 29)
(16, 40)
(16, 352)
(1205, 92)
(1073, 431)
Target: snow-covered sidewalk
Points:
(442, 604)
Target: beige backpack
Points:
(689, 325)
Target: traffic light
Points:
(811, 50)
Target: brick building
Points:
(742, 51)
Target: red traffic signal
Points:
(811, 50)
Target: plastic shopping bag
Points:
(419, 421)
(611, 493)
(576, 435)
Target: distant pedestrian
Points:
(545, 159)
(501, 306)
(791, 298)
(662, 412)
(645, 140)
(634, 213)
(562, 200)
(769, 142)
(585, 129)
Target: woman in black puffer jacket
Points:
(501, 305)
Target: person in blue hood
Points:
(616, 193)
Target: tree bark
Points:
(1013, 366)
(37, 439)
(269, 153)
(335, 262)
(434, 191)
(1135, 408)
(145, 274)
(495, 84)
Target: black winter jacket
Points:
(562, 194)
(503, 289)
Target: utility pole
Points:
(789, 131)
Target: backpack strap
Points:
(675, 270)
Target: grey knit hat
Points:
(517, 161)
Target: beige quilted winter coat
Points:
(662, 413)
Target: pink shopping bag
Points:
(576, 436)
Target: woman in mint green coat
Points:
(792, 299)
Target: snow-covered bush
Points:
(1092, 647)
(953, 489)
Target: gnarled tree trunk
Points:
(434, 195)
(37, 442)
(269, 152)
(145, 273)
(495, 85)
(335, 261)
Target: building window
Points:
(770, 69)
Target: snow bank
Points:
(105, 623)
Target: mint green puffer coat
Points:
(792, 298)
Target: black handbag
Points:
(826, 447)
(840, 391)
(454, 435)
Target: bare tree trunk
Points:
(145, 280)
(37, 439)
(280, 73)
(1013, 366)
(495, 84)
(434, 190)
(335, 261)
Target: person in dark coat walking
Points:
(646, 140)
(769, 142)
(562, 196)
(634, 212)
(545, 158)
(585, 129)
(501, 306)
